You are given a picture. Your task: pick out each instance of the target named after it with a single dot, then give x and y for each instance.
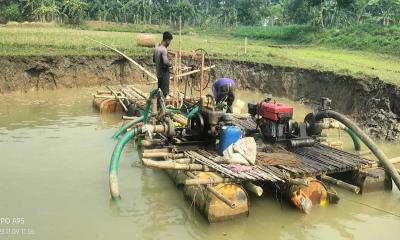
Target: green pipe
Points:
(127, 125)
(114, 163)
(356, 140)
(193, 112)
(170, 110)
(365, 139)
(146, 112)
(142, 118)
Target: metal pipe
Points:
(338, 125)
(126, 126)
(365, 139)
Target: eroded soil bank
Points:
(373, 103)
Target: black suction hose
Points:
(365, 139)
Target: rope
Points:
(373, 207)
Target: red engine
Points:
(276, 124)
(274, 119)
(275, 111)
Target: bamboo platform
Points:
(312, 161)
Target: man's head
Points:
(167, 38)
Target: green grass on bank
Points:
(290, 33)
(366, 37)
(61, 41)
(362, 37)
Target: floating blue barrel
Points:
(229, 135)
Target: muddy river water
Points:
(55, 151)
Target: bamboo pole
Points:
(179, 54)
(129, 59)
(249, 186)
(201, 74)
(341, 184)
(180, 34)
(163, 155)
(368, 174)
(198, 181)
(138, 91)
(174, 82)
(103, 92)
(395, 160)
(173, 165)
(119, 99)
(298, 181)
(150, 143)
(215, 192)
(245, 45)
(155, 150)
(182, 160)
(195, 71)
(108, 97)
(128, 118)
(221, 197)
(189, 73)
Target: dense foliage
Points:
(206, 13)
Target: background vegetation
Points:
(372, 25)
(205, 13)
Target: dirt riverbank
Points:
(373, 103)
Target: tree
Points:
(249, 11)
(384, 11)
(10, 12)
(74, 10)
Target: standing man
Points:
(160, 57)
(224, 91)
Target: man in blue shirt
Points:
(224, 91)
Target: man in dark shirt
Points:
(163, 64)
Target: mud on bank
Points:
(375, 104)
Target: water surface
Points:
(55, 151)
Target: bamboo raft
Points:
(196, 165)
(311, 161)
